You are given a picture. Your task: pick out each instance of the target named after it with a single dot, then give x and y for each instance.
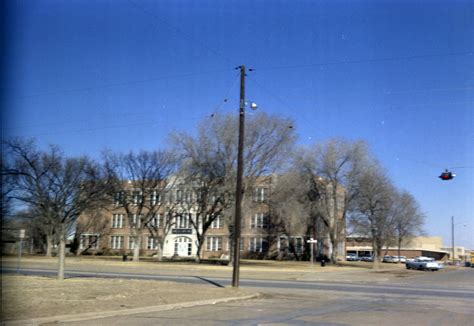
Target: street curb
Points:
(113, 313)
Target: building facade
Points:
(175, 227)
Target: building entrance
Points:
(183, 246)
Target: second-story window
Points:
(136, 220)
(155, 221)
(117, 221)
(258, 221)
(260, 195)
(182, 221)
(217, 223)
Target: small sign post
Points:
(312, 242)
(21, 236)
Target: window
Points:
(282, 243)
(213, 243)
(119, 198)
(89, 241)
(117, 221)
(116, 242)
(258, 245)
(136, 220)
(155, 221)
(182, 221)
(131, 243)
(179, 196)
(154, 198)
(299, 245)
(152, 243)
(259, 220)
(260, 195)
(217, 223)
(136, 197)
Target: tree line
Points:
(334, 186)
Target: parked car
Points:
(423, 263)
(390, 259)
(352, 257)
(367, 258)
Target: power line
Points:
(272, 94)
(429, 90)
(110, 127)
(332, 63)
(177, 30)
(124, 83)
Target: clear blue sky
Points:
(89, 75)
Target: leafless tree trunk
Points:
(331, 169)
(373, 207)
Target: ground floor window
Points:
(116, 242)
(131, 243)
(213, 243)
(258, 244)
(89, 241)
(152, 243)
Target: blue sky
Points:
(89, 75)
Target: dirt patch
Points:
(26, 297)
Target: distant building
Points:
(418, 246)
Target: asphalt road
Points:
(431, 299)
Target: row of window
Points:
(213, 243)
(258, 220)
(260, 195)
(117, 242)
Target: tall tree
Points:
(407, 218)
(291, 211)
(332, 169)
(210, 158)
(138, 184)
(373, 209)
(57, 188)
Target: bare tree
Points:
(331, 169)
(7, 186)
(407, 217)
(57, 188)
(138, 184)
(291, 210)
(210, 158)
(373, 208)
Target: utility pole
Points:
(239, 189)
(452, 239)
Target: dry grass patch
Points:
(26, 297)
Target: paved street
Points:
(329, 305)
(420, 298)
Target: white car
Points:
(423, 263)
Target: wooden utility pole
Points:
(452, 239)
(239, 189)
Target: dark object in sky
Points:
(446, 175)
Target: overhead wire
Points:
(119, 84)
(331, 63)
(177, 30)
